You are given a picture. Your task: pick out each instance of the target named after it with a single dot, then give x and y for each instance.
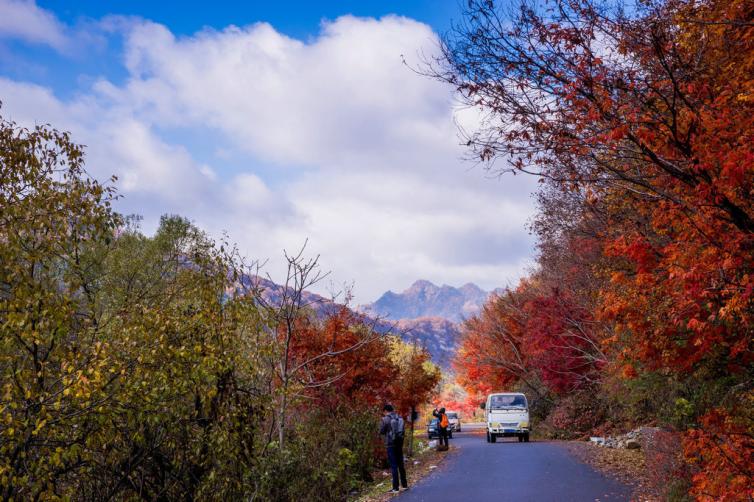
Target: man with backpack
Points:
(393, 428)
(442, 427)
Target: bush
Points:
(574, 416)
(327, 457)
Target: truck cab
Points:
(507, 415)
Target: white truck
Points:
(507, 415)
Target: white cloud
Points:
(333, 139)
(26, 20)
(344, 95)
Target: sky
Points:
(276, 123)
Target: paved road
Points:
(511, 471)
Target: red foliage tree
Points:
(491, 353)
(656, 127)
(560, 342)
(722, 450)
(641, 124)
(362, 377)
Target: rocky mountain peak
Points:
(425, 299)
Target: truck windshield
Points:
(452, 415)
(505, 401)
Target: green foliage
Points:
(57, 373)
(138, 367)
(327, 456)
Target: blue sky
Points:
(298, 19)
(301, 20)
(276, 123)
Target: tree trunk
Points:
(281, 417)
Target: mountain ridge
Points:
(425, 299)
(437, 333)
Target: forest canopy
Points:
(156, 367)
(638, 120)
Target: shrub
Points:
(575, 415)
(328, 456)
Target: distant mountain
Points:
(272, 293)
(426, 314)
(439, 336)
(424, 299)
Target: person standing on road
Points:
(442, 425)
(393, 428)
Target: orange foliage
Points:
(490, 356)
(361, 377)
(722, 449)
(366, 376)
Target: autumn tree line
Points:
(638, 120)
(158, 368)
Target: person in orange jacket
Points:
(442, 425)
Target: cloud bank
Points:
(276, 140)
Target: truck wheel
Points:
(450, 435)
(493, 438)
(526, 437)
(520, 438)
(488, 437)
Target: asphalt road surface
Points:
(512, 471)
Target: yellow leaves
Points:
(39, 426)
(57, 457)
(141, 365)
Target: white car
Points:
(454, 421)
(507, 415)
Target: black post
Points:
(411, 439)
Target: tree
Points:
(56, 371)
(492, 352)
(188, 414)
(639, 124)
(291, 320)
(358, 371)
(415, 381)
(617, 105)
(156, 367)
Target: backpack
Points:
(397, 428)
(444, 420)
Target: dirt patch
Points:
(626, 466)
